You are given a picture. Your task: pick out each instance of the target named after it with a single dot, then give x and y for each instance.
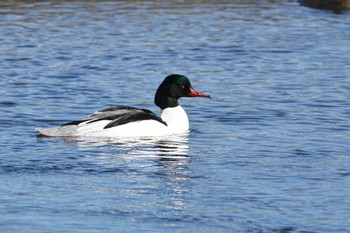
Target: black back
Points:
(120, 115)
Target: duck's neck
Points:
(165, 101)
(176, 119)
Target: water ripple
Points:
(269, 152)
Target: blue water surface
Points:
(269, 153)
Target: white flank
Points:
(134, 129)
(176, 119)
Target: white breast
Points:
(176, 119)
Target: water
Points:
(269, 153)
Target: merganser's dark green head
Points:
(172, 88)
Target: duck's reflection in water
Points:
(170, 152)
(157, 169)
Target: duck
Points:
(125, 121)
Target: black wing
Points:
(139, 115)
(119, 116)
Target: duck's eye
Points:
(183, 87)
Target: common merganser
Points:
(125, 121)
